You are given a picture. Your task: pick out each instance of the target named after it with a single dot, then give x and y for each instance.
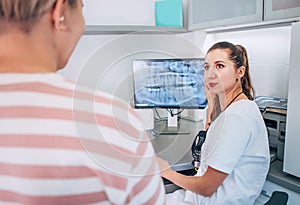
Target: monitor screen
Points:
(169, 83)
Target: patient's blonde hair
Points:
(25, 12)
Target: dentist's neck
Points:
(228, 98)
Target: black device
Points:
(196, 148)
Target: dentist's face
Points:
(220, 73)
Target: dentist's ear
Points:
(241, 72)
(57, 15)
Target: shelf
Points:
(107, 30)
(98, 30)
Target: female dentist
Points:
(235, 155)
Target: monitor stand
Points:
(172, 120)
(172, 127)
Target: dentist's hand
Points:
(210, 104)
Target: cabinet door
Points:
(213, 13)
(281, 9)
(292, 139)
(119, 12)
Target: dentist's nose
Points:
(211, 72)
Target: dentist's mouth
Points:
(211, 85)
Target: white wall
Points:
(104, 62)
(269, 55)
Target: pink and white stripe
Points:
(58, 146)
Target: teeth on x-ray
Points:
(169, 87)
(170, 83)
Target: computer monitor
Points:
(169, 83)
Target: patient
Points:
(235, 154)
(61, 143)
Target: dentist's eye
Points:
(220, 66)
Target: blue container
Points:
(169, 13)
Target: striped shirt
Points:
(62, 144)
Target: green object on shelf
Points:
(168, 13)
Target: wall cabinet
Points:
(216, 13)
(119, 16)
(279, 9)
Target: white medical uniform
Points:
(236, 144)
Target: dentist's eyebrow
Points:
(219, 61)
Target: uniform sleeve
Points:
(226, 142)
